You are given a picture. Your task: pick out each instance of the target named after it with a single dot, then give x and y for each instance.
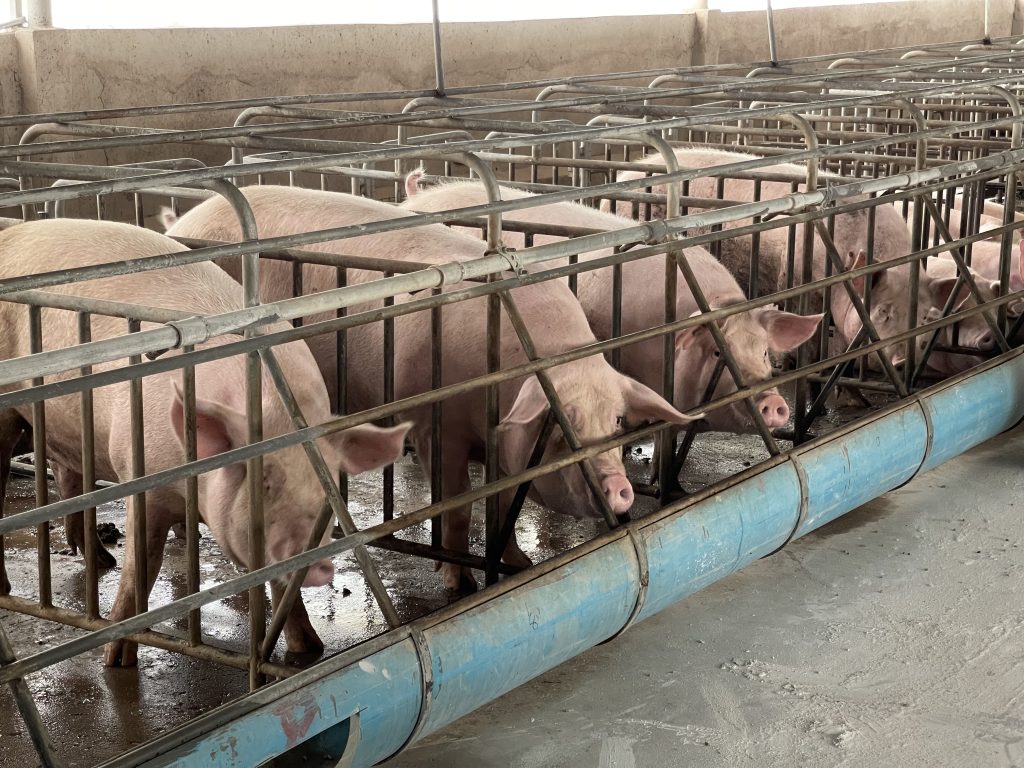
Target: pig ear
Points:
(786, 330)
(644, 404)
(168, 218)
(856, 261)
(1016, 282)
(218, 428)
(943, 287)
(412, 181)
(518, 431)
(686, 339)
(366, 447)
(530, 404)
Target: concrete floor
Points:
(855, 644)
(894, 636)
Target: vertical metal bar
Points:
(39, 457)
(27, 707)
(916, 244)
(492, 408)
(138, 469)
(195, 616)
(340, 377)
(772, 51)
(616, 312)
(800, 424)
(666, 456)
(1006, 246)
(389, 396)
(254, 466)
(436, 379)
(92, 597)
(39, 13)
(755, 249)
(297, 287)
(438, 60)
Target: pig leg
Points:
(12, 427)
(513, 555)
(454, 523)
(69, 484)
(299, 635)
(123, 652)
(673, 488)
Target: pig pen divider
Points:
(416, 679)
(931, 157)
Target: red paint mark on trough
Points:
(296, 719)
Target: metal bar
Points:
(27, 707)
(39, 456)
(174, 608)
(137, 508)
(772, 51)
(192, 583)
(92, 598)
(438, 60)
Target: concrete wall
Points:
(738, 37)
(46, 70)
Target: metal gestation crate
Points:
(924, 129)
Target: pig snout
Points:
(618, 492)
(319, 574)
(774, 410)
(985, 341)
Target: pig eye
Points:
(717, 353)
(618, 421)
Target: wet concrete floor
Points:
(95, 713)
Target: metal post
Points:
(27, 706)
(439, 64)
(772, 51)
(39, 13)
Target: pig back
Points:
(194, 289)
(281, 211)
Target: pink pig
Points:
(595, 396)
(890, 305)
(752, 336)
(973, 332)
(292, 495)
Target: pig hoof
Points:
(121, 653)
(5, 585)
(458, 580)
(517, 559)
(305, 643)
(302, 658)
(103, 558)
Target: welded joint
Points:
(801, 517)
(926, 414)
(426, 664)
(643, 567)
(355, 738)
(196, 330)
(510, 256)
